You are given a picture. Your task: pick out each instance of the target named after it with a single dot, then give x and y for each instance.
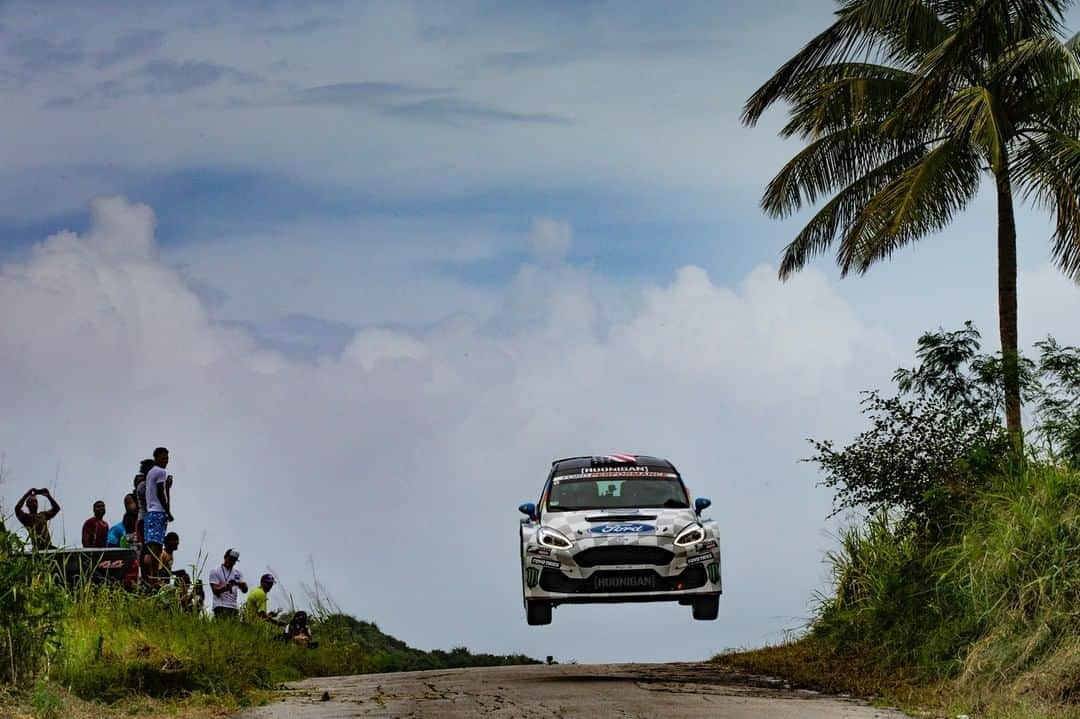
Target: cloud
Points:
(454, 111)
(36, 54)
(550, 239)
(358, 94)
(303, 27)
(170, 77)
(396, 463)
(130, 45)
(415, 103)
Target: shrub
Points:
(31, 609)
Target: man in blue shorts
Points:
(158, 512)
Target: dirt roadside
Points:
(567, 691)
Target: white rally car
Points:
(617, 528)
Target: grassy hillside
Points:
(960, 590)
(111, 646)
(980, 616)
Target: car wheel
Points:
(537, 612)
(706, 608)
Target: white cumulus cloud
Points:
(396, 465)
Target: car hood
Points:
(606, 523)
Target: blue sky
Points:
(411, 230)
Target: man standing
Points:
(257, 604)
(37, 523)
(224, 581)
(95, 531)
(140, 499)
(158, 511)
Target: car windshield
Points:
(616, 492)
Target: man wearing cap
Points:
(257, 604)
(224, 581)
(95, 531)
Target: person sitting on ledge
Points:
(95, 531)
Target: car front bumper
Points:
(628, 574)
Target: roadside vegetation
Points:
(959, 591)
(123, 652)
(959, 586)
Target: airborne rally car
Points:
(617, 528)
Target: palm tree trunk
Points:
(1007, 309)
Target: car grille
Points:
(639, 580)
(607, 556)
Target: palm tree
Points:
(904, 105)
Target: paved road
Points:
(629, 691)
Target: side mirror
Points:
(529, 510)
(701, 504)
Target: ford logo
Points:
(623, 529)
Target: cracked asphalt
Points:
(629, 691)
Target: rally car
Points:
(617, 528)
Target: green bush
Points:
(31, 610)
(994, 599)
(45, 702)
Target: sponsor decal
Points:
(626, 581)
(553, 563)
(709, 545)
(619, 472)
(622, 528)
(698, 559)
(714, 572)
(538, 550)
(532, 576)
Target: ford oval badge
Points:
(623, 528)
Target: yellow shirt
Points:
(256, 602)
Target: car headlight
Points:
(691, 534)
(549, 537)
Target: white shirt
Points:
(154, 478)
(221, 575)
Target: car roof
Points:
(603, 460)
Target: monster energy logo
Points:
(532, 576)
(714, 572)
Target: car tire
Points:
(707, 608)
(537, 612)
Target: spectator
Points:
(158, 515)
(224, 581)
(37, 523)
(140, 498)
(161, 563)
(298, 632)
(180, 593)
(122, 534)
(257, 604)
(95, 531)
(131, 511)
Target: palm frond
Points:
(973, 113)
(827, 164)
(840, 94)
(896, 28)
(1047, 171)
(839, 212)
(922, 199)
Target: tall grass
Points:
(990, 599)
(31, 610)
(117, 644)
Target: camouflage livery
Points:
(618, 554)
